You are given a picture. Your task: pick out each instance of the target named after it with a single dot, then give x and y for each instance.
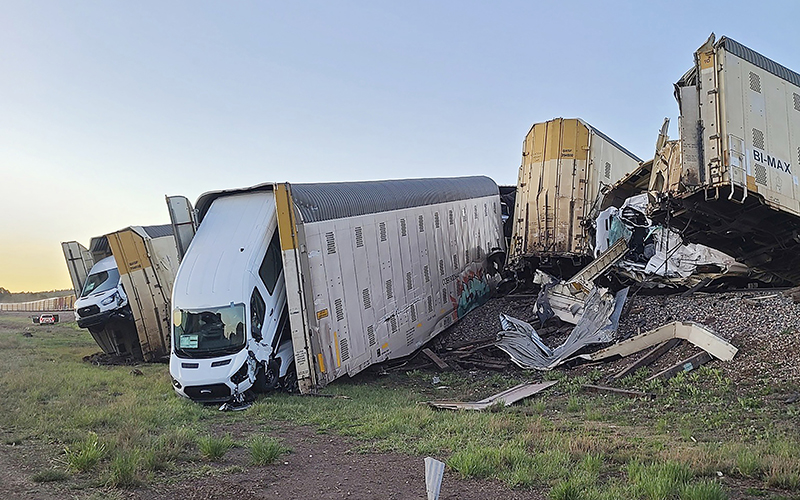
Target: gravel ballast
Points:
(763, 325)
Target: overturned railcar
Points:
(317, 281)
(731, 181)
(566, 164)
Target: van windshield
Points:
(100, 282)
(209, 332)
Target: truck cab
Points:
(102, 297)
(230, 324)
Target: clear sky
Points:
(106, 106)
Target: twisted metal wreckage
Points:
(626, 237)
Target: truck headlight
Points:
(111, 298)
(240, 375)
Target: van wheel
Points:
(261, 380)
(290, 381)
(266, 378)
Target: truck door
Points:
(79, 263)
(184, 224)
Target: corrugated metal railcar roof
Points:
(325, 201)
(319, 202)
(765, 63)
(99, 244)
(158, 231)
(612, 141)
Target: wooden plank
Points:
(624, 392)
(488, 365)
(686, 365)
(436, 359)
(647, 359)
(699, 286)
(470, 350)
(472, 343)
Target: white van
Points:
(102, 297)
(230, 323)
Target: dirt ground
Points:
(323, 466)
(319, 466)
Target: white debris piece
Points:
(663, 253)
(434, 471)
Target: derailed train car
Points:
(566, 166)
(300, 284)
(123, 283)
(731, 181)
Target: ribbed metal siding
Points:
(99, 244)
(320, 202)
(612, 141)
(158, 231)
(762, 62)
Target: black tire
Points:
(507, 286)
(290, 381)
(266, 379)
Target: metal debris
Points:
(657, 256)
(566, 299)
(597, 325)
(506, 398)
(237, 403)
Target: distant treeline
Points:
(13, 297)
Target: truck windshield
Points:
(209, 332)
(100, 282)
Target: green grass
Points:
(574, 404)
(749, 464)
(121, 431)
(125, 469)
(49, 476)
(569, 489)
(704, 490)
(85, 455)
(659, 481)
(214, 448)
(264, 450)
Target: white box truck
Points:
(123, 283)
(731, 181)
(309, 282)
